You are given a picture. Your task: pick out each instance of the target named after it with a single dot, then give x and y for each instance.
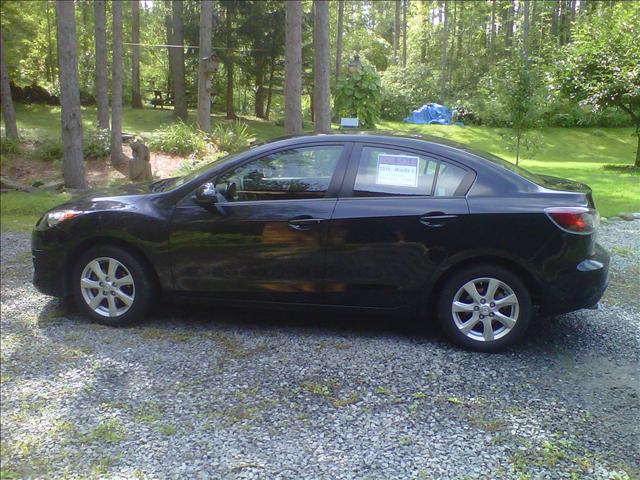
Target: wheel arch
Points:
(532, 284)
(88, 243)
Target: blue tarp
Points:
(431, 113)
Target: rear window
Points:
(507, 165)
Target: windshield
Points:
(168, 184)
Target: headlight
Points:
(54, 218)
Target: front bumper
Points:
(48, 252)
(583, 287)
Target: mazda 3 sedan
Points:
(377, 222)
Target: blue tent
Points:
(431, 113)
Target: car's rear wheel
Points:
(112, 286)
(484, 307)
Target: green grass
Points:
(575, 153)
(19, 211)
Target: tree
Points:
(102, 96)
(73, 165)
(404, 33)
(178, 80)
(339, 38)
(10, 126)
(396, 33)
(601, 66)
(322, 101)
(293, 68)
(228, 58)
(117, 68)
(443, 63)
(204, 84)
(136, 99)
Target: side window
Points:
(449, 179)
(293, 174)
(387, 172)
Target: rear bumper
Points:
(583, 287)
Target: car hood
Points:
(112, 198)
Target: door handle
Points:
(436, 219)
(304, 222)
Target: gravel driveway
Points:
(213, 393)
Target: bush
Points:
(193, 163)
(231, 136)
(359, 95)
(405, 89)
(50, 150)
(97, 143)
(10, 146)
(178, 139)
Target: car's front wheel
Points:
(484, 308)
(112, 286)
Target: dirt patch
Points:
(27, 170)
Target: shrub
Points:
(359, 95)
(405, 89)
(193, 163)
(10, 146)
(231, 136)
(178, 139)
(97, 143)
(50, 150)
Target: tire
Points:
(476, 321)
(126, 302)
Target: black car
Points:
(378, 222)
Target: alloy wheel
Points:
(485, 309)
(107, 287)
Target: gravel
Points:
(207, 393)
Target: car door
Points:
(265, 240)
(400, 213)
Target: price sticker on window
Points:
(397, 170)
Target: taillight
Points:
(582, 221)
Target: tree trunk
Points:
(508, 39)
(637, 164)
(50, 61)
(396, 33)
(554, 19)
(178, 80)
(73, 165)
(228, 66)
(171, 52)
(117, 68)
(525, 33)
(259, 79)
(204, 84)
(136, 99)
(270, 91)
(339, 38)
(443, 64)
(424, 12)
(102, 96)
(10, 126)
(492, 38)
(293, 68)
(404, 33)
(322, 101)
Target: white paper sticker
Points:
(397, 170)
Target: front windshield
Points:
(168, 184)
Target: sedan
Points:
(380, 223)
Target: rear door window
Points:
(388, 172)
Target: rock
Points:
(7, 183)
(627, 216)
(54, 186)
(636, 215)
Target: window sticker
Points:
(397, 170)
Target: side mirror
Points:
(206, 194)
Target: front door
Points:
(399, 215)
(266, 240)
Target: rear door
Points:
(400, 213)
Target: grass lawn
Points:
(574, 153)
